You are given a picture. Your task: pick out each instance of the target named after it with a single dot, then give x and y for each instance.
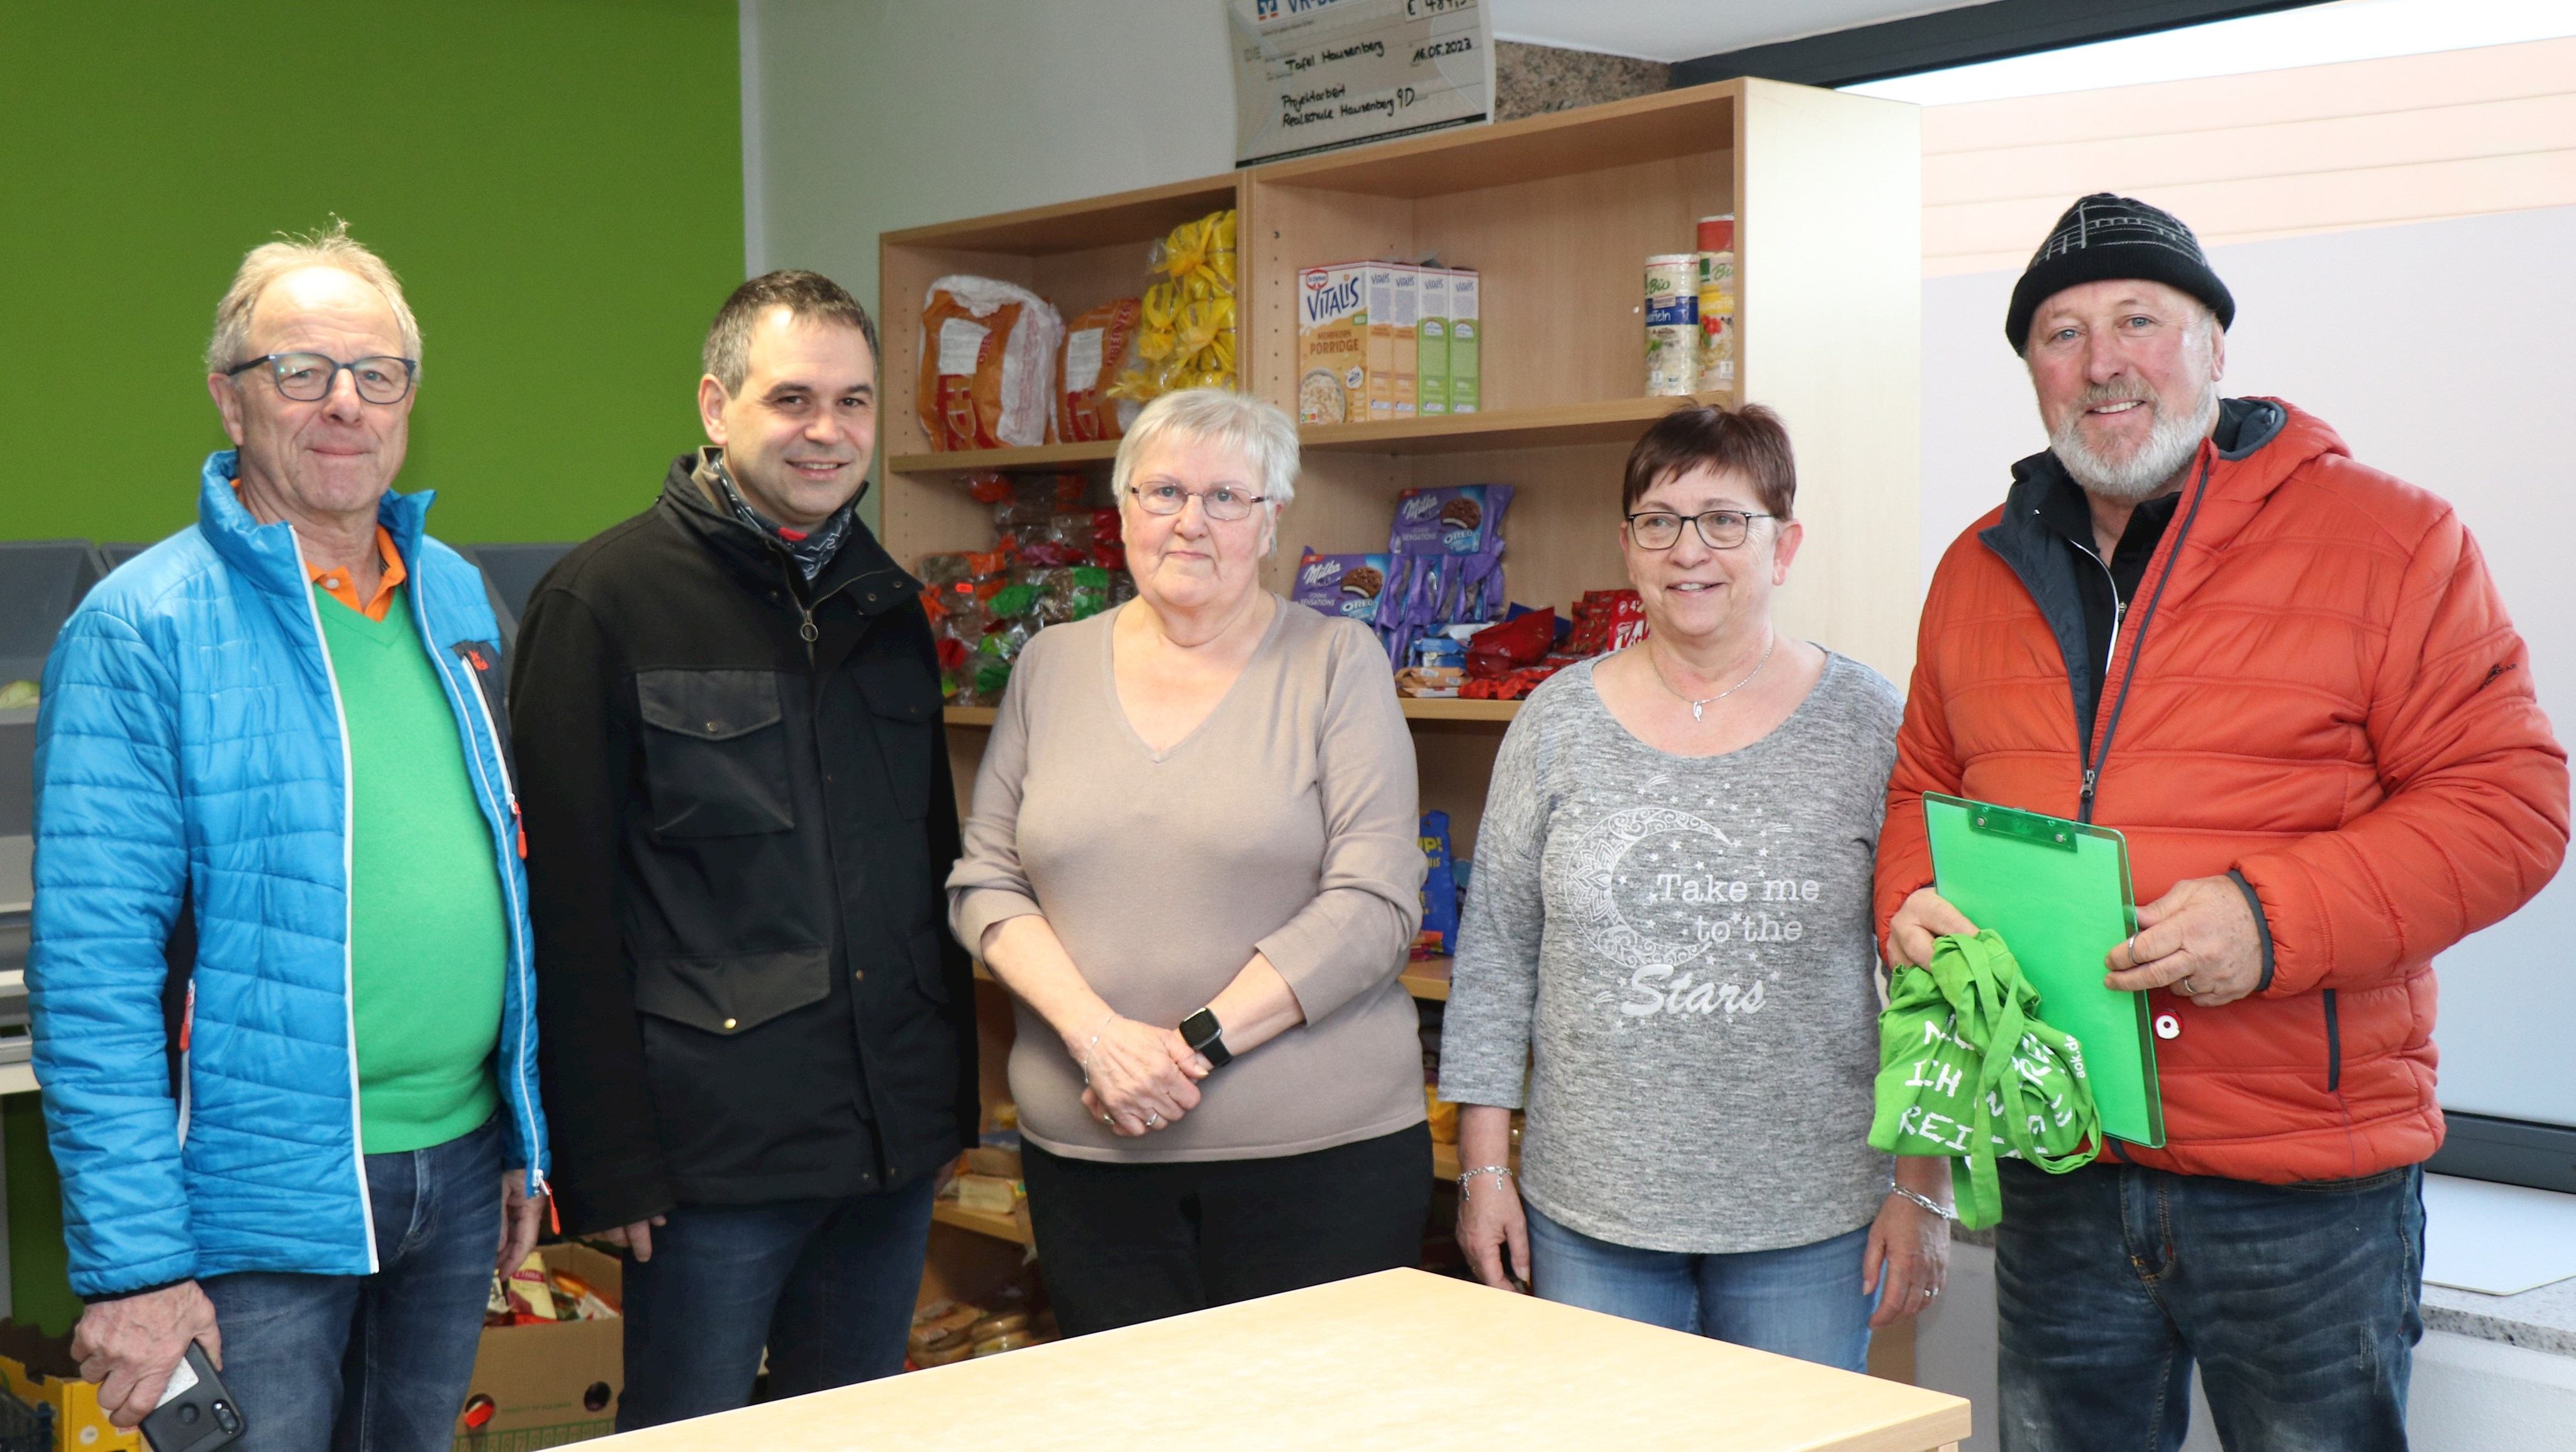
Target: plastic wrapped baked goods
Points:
(1097, 344)
(988, 365)
(1186, 329)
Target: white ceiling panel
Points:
(1676, 30)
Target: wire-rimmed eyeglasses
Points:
(1224, 503)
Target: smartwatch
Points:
(1205, 1035)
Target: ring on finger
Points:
(1152, 1119)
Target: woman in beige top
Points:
(1194, 860)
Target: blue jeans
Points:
(1805, 1301)
(2300, 1302)
(374, 1363)
(826, 1285)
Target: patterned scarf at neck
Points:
(811, 549)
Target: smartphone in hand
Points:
(196, 1414)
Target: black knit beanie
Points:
(2103, 237)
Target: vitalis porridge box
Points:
(1332, 344)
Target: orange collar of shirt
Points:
(335, 582)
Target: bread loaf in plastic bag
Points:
(988, 362)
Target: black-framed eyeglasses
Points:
(309, 377)
(1719, 529)
(1224, 503)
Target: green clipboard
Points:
(2058, 892)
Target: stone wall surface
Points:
(1530, 80)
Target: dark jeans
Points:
(2299, 1302)
(827, 1286)
(373, 1363)
(1124, 1243)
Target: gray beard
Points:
(2169, 446)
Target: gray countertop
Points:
(2543, 1319)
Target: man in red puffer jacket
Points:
(2287, 679)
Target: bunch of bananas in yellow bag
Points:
(1186, 336)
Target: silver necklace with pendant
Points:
(1707, 701)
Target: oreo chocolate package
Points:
(1345, 585)
(1460, 519)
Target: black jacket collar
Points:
(880, 584)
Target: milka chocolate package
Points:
(1345, 585)
(1460, 519)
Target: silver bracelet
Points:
(1094, 1044)
(1465, 1175)
(1926, 1201)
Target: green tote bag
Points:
(1968, 1070)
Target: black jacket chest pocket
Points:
(904, 704)
(715, 753)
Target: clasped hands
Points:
(1137, 1078)
(2199, 939)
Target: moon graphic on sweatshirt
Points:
(1640, 876)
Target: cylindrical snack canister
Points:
(1672, 324)
(1717, 302)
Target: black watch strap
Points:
(1205, 1035)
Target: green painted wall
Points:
(558, 182)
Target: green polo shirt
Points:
(429, 935)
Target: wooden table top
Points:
(1401, 1361)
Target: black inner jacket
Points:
(2046, 535)
(740, 820)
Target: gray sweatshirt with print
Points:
(1679, 949)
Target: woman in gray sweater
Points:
(1193, 859)
(1669, 929)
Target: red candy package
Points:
(1510, 686)
(1516, 643)
(1606, 620)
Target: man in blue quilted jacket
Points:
(283, 1010)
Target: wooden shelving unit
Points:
(1043, 458)
(1427, 979)
(1558, 214)
(1013, 1227)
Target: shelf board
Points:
(1081, 225)
(1606, 421)
(1417, 708)
(970, 461)
(1013, 1228)
(1427, 978)
(1456, 708)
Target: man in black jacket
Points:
(760, 1042)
